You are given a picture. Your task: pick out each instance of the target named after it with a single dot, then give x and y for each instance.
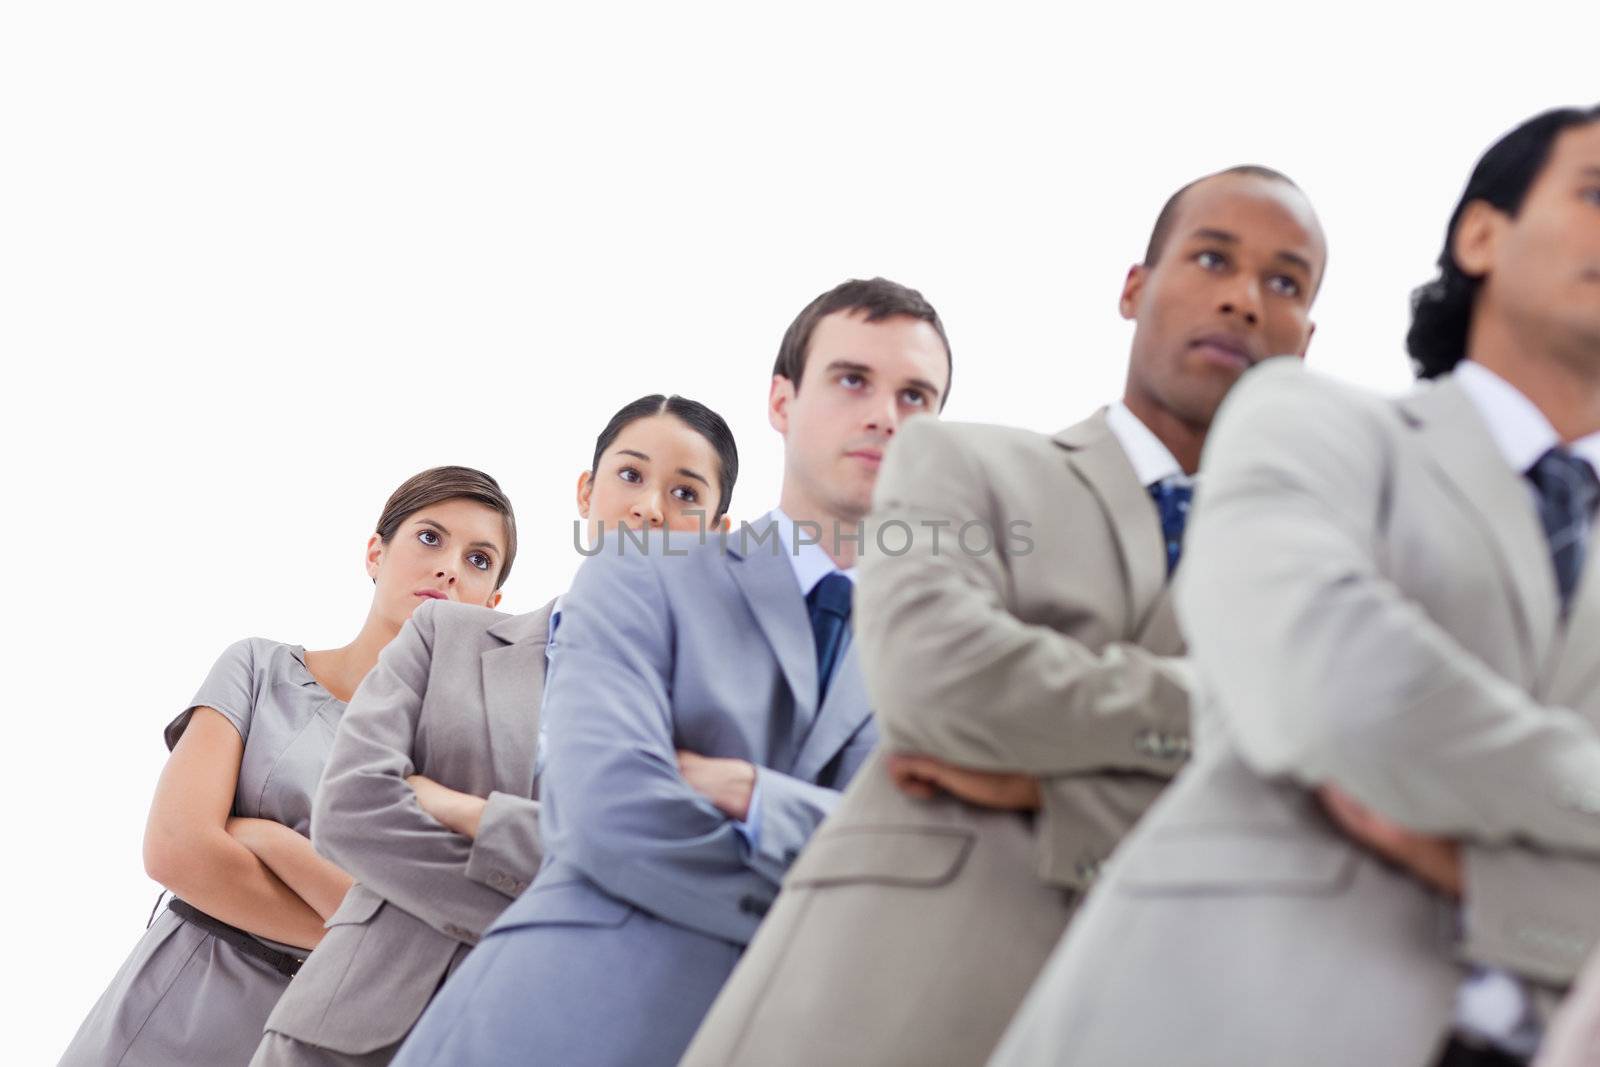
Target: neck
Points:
(1564, 386)
(830, 522)
(340, 670)
(1182, 440)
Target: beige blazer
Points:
(1369, 601)
(455, 697)
(908, 931)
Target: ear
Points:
(1477, 237)
(1132, 286)
(494, 600)
(779, 397)
(725, 525)
(374, 556)
(585, 491)
(1311, 328)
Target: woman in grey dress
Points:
(228, 828)
(430, 797)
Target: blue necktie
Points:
(1172, 496)
(1568, 493)
(829, 605)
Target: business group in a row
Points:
(1271, 738)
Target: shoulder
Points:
(978, 439)
(449, 620)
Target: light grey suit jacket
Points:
(649, 893)
(455, 697)
(1574, 1039)
(909, 931)
(1369, 600)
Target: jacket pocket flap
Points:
(358, 906)
(1197, 860)
(886, 855)
(575, 903)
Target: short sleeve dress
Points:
(184, 996)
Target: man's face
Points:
(1232, 285)
(1541, 269)
(861, 381)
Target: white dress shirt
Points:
(1152, 461)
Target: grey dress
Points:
(184, 996)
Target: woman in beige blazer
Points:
(228, 828)
(430, 796)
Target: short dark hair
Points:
(877, 299)
(1441, 309)
(698, 417)
(438, 484)
(1162, 230)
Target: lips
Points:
(867, 455)
(431, 594)
(1224, 349)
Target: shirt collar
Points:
(1519, 429)
(811, 564)
(1152, 461)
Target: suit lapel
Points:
(847, 706)
(1094, 452)
(1458, 445)
(513, 689)
(767, 581)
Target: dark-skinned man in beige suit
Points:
(1032, 692)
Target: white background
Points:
(259, 263)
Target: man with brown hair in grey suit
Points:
(1031, 690)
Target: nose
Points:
(884, 416)
(647, 509)
(446, 575)
(1243, 302)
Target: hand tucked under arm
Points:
(727, 783)
(458, 811)
(1434, 860)
(315, 880)
(924, 777)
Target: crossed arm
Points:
(1328, 674)
(255, 874)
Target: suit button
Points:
(754, 905)
(1146, 743)
(1088, 871)
(790, 855)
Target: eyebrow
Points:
(685, 471)
(862, 368)
(1224, 237)
(476, 544)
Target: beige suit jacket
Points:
(908, 931)
(1370, 601)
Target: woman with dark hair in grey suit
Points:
(228, 829)
(430, 796)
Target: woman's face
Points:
(658, 472)
(446, 551)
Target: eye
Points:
(914, 397)
(631, 475)
(1209, 260)
(686, 494)
(430, 538)
(852, 380)
(480, 561)
(1592, 194)
(1284, 285)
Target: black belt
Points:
(282, 962)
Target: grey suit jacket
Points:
(455, 697)
(910, 930)
(1369, 600)
(1574, 1039)
(649, 892)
